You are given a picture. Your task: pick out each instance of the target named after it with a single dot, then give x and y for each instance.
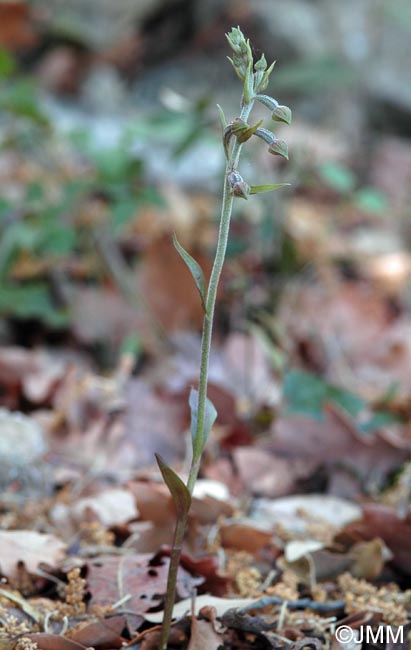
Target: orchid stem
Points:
(207, 331)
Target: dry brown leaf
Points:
(154, 423)
(35, 373)
(314, 563)
(29, 547)
(139, 577)
(102, 634)
(245, 536)
(380, 521)
(348, 330)
(16, 28)
(370, 558)
(203, 636)
(154, 502)
(295, 513)
(267, 474)
(103, 314)
(175, 301)
(54, 642)
(334, 442)
(112, 507)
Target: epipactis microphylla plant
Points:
(255, 77)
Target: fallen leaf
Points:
(154, 423)
(369, 559)
(245, 536)
(102, 634)
(203, 636)
(137, 577)
(16, 28)
(295, 513)
(154, 502)
(381, 521)
(335, 443)
(35, 373)
(267, 474)
(214, 489)
(29, 547)
(54, 642)
(315, 563)
(348, 331)
(297, 549)
(175, 302)
(102, 314)
(208, 566)
(112, 507)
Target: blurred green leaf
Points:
(7, 64)
(371, 200)
(131, 345)
(308, 394)
(32, 301)
(123, 212)
(378, 420)
(20, 99)
(58, 240)
(337, 177)
(315, 75)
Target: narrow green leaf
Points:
(195, 270)
(223, 122)
(259, 189)
(179, 491)
(222, 117)
(209, 419)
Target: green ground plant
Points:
(254, 76)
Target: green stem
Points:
(226, 210)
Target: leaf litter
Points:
(266, 565)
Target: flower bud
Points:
(261, 82)
(233, 178)
(279, 148)
(260, 66)
(282, 114)
(242, 190)
(238, 186)
(242, 56)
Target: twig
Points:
(301, 603)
